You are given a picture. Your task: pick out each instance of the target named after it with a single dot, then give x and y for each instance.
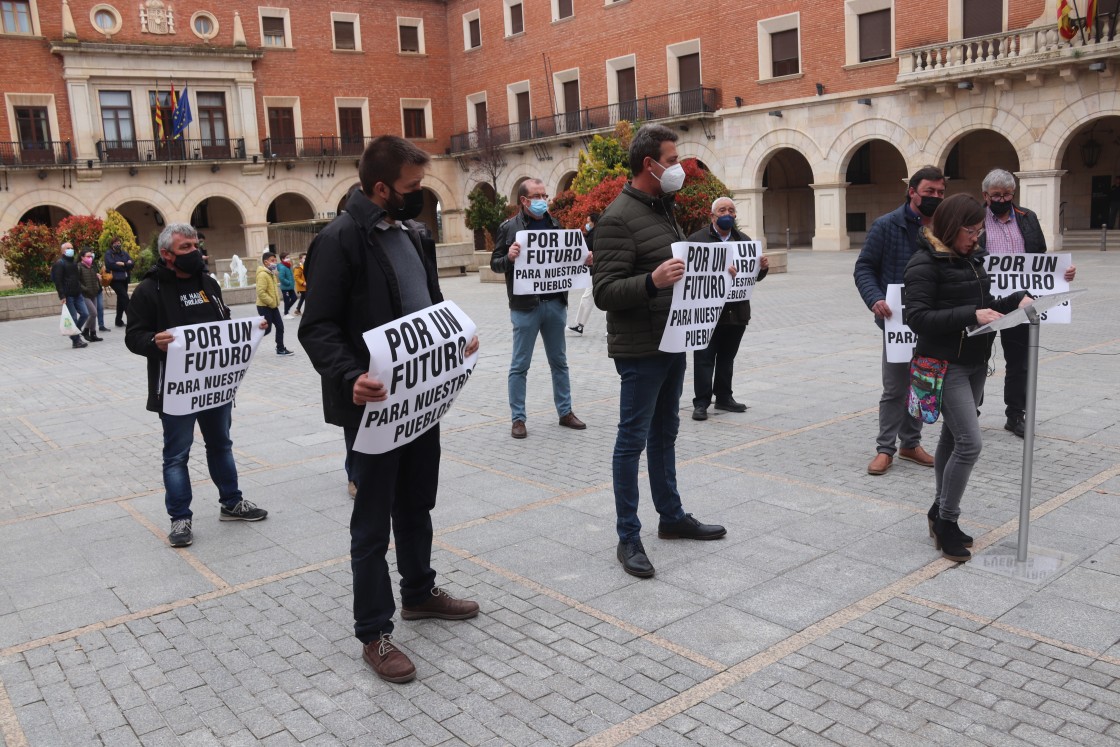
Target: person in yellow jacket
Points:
(268, 300)
(301, 284)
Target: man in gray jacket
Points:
(634, 276)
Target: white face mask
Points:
(671, 179)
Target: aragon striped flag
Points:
(1065, 20)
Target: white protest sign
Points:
(745, 256)
(899, 339)
(421, 359)
(550, 262)
(697, 297)
(1039, 274)
(206, 363)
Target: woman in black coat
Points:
(946, 292)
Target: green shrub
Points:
(29, 250)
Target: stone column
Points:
(748, 206)
(81, 120)
(256, 239)
(1041, 191)
(830, 204)
(455, 229)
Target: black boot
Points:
(947, 539)
(931, 516)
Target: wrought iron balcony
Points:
(996, 55)
(164, 151)
(679, 105)
(50, 153)
(324, 146)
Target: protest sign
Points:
(1039, 274)
(550, 262)
(421, 359)
(745, 256)
(206, 363)
(900, 340)
(697, 297)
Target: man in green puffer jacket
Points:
(634, 276)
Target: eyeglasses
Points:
(997, 197)
(973, 232)
(537, 197)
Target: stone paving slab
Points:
(824, 617)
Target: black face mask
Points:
(928, 205)
(190, 263)
(412, 204)
(1000, 208)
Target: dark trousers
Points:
(120, 288)
(396, 489)
(717, 361)
(289, 299)
(302, 298)
(274, 319)
(1015, 348)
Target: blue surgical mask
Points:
(725, 222)
(538, 207)
(68, 253)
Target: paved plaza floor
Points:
(824, 617)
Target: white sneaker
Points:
(289, 316)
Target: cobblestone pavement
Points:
(824, 617)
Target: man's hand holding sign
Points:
(206, 362)
(549, 262)
(698, 274)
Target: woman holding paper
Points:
(946, 292)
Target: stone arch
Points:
(251, 209)
(849, 140)
(514, 184)
(701, 152)
(343, 192)
(224, 226)
(567, 165)
(23, 203)
(950, 130)
(441, 189)
(769, 144)
(143, 217)
(1050, 150)
(138, 193)
(305, 189)
(290, 206)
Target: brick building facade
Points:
(812, 113)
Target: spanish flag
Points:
(1065, 19)
(1090, 15)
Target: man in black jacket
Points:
(1011, 229)
(714, 365)
(542, 313)
(174, 293)
(64, 275)
(366, 269)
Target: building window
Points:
(779, 48)
(566, 89)
(622, 90)
(347, 32)
(561, 9)
(410, 32)
(15, 17)
(33, 126)
(472, 30)
(416, 118)
(477, 117)
(515, 17)
(204, 25)
(875, 35)
(105, 19)
(351, 130)
(212, 121)
(520, 111)
(783, 49)
(983, 17)
(276, 30)
(116, 116)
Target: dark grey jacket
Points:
(633, 237)
(882, 261)
(739, 312)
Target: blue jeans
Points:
(101, 310)
(272, 316)
(649, 416)
(178, 435)
(77, 307)
(959, 447)
(548, 319)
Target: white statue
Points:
(237, 267)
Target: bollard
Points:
(1104, 237)
(787, 238)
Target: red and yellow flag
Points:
(1090, 15)
(159, 117)
(1065, 20)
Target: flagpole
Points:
(1080, 28)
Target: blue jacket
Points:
(287, 279)
(884, 256)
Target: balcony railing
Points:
(162, 151)
(649, 108)
(324, 146)
(1024, 48)
(50, 153)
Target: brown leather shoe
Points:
(388, 661)
(441, 605)
(917, 455)
(880, 464)
(518, 430)
(571, 421)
